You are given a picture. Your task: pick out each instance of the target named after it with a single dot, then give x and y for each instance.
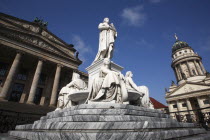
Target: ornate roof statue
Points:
(40, 22)
(176, 37)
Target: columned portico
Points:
(55, 86)
(10, 76)
(35, 82)
(192, 91)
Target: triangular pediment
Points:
(33, 34)
(188, 88)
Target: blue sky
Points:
(145, 31)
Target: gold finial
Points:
(176, 37)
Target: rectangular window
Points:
(3, 68)
(184, 105)
(206, 102)
(174, 106)
(22, 75)
(42, 79)
(16, 93)
(38, 95)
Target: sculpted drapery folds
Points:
(108, 85)
(75, 85)
(107, 38)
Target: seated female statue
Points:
(144, 100)
(75, 85)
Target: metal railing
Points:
(200, 116)
(9, 119)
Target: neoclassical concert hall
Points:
(32, 62)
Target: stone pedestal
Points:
(108, 121)
(93, 70)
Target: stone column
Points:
(188, 67)
(189, 106)
(200, 102)
(170, 107)
(55, 86)
(202, 67)
(35, 82)
(197, 69)
(178, 73)
(181, 71)
(10, 76)
(179, 106)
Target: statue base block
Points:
(94, 69)
(108, 121)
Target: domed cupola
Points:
(186, 64)
(179, 45)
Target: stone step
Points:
(105, 118)
(65, 135)
(104, 112)
(133, 126)
(106, 106)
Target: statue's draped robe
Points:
(76, 85)
(145, 99)
(106, 88)
(129, 84)
(106, 37)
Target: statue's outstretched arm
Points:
(70, 84)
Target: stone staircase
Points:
(108, 121)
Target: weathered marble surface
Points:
(107, 121)
(155, 135)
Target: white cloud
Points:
(143, 43)
(134, 16)
(81, 47)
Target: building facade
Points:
(32, 62)
(190, 97)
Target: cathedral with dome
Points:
(191, 94)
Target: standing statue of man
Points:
(107, 37)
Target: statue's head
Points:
(129, 74)
(75, 76)
(106, 61)
(106, 20)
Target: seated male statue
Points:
(75, 85)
